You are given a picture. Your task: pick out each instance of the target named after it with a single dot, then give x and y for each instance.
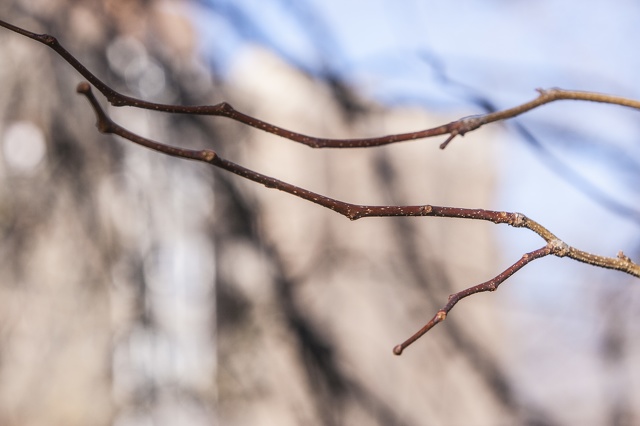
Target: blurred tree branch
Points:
(554, 245)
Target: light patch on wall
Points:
(23, 146)
(152, 81)
(130, 59)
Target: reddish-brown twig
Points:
(554, 245)
(491, 285)
(224, 109)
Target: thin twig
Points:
(358, 211)
(553, 246)
(491, 285)
(224, 109)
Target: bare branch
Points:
(455, 128)
(491, 285)
(554, 246)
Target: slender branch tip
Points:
(444, 144)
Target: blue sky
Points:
(508, 47)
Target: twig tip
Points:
(444, 144)
(397, 350)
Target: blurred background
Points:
(138, 289)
